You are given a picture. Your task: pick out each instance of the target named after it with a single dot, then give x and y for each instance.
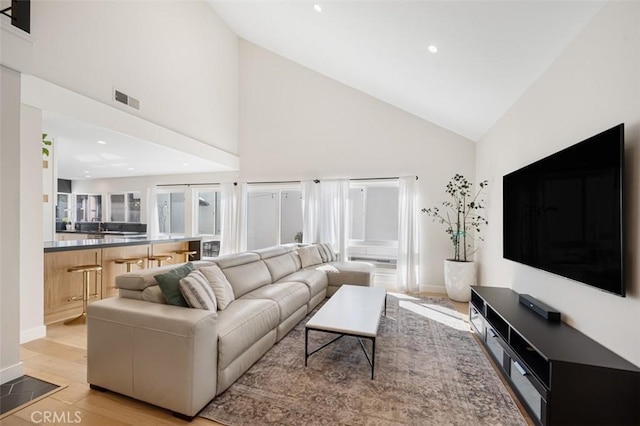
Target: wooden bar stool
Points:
(86, 270)
(187, 254)
(160, 258)
(130, 261)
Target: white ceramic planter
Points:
(458, 279)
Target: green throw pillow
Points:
(169, 283)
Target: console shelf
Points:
(560, 375)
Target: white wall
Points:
(297, 124)
(176, 57)
(49, 180)
(10, 365)
(592, 86)
(31, 224)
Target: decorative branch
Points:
(467, 220)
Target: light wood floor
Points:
(61, 358)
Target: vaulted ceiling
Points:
(488, 52)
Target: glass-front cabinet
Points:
(124, 207)
(88, 208)
(63, 207)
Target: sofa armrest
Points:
(162, 354)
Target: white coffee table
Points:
(352, 311)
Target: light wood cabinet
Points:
(169, 248)
(110, 269)
(60, 286)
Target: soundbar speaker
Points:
(540, 308)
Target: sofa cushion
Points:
(169, 283)
(242, 324)
(309, 256)
(152, 294)
(197, 291)
(316, 281)
(356, 273)
(290, 296)
(269, 252)
(247, 277)
(220, 285)
(231, 260)
(296, 259)
(282, 265)
(143, 278)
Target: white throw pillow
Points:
(309, 256)
(220, 285)
(197, 292)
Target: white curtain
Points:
(153, 225)
(325, 213)
(408, 242)
(310, 195)
(333, 215)
(233, 238)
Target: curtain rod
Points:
(189, 184)
(381, 178)
(275, 182)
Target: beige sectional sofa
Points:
(181, 358)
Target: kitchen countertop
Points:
(54, 246)
(123, 233)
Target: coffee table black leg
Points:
(373, 356)
(306, 345)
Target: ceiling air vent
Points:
(126, 99)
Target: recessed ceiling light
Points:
(87, 171)
(317, 8)
(102, 142)
(185, 164)
(432, 48)
(87, 176)
(130, 168)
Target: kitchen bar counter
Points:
(61, 288)
(111, 241)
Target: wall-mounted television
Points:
(564, 213)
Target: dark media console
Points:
(561, 376)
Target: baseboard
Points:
(433, 289)
(33, 334)
(12, 372)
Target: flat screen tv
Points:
(564, 213)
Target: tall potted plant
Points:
(461, 215)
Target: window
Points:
(262, 219)
(290, 216)
(124, 207)
(171, 216)
(208, 213)
(274, 216)
(374, 213)
(88, 208)
(373, 222)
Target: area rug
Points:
(24, 391)
(428, 371)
